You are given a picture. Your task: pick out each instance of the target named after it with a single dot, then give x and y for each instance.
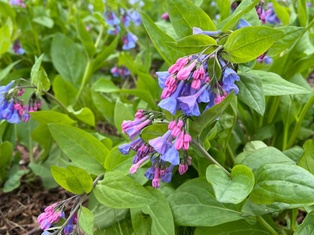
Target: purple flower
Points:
(200, 31)
(111, 18)
(126, 18)
(68, 229)
(189, 104)
(149, 174)
(120, 71)
(17, 48)
(136, 18)
(168, 176)
(172, 156)
(229, 77)
(129, 41)
(271, 16)
(161, 144)
(125, 148)
(114, 30)
(170, 103)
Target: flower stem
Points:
(269, 228)
(56, 100)
(85, 80)
(297, 127)
(207, 155)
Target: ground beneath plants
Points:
(19, 209)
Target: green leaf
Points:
(224, 9)
(247, 43)
(264, 155)
(68, 59)
(291, 34)
(104, 105)
(114, 159)
(160, 212)
(84, 114)
(240, 227)
(4, 39)
(64, 91)
(59, 175)
(251, 92)
(39, 76)
(6, 151)
(307, 159)
(44, 21)
(104, 85)
(302, 14)
(14, 178)
(245, 7)
(184, 15)
(141, 223)
(234, 189)
(160, 40)
(282, 12)
(48, 116)
(274, 85)
(214, 68)
(210, 115)
(85, 37)
(44, 173)
(78, 180)
(4, 72)
(153, 131)
(307, 225)
(86, 220)
(193, 44)
(194, 204)
(285, 183)
(121, 112)
(119, 191)
(85, 150)
(98, 62)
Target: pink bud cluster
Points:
(51, 215)
(183, 139)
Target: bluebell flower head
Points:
(126, 18)
(229, 77)
(136, 18)
(149, 174)
(114, 30)
(170, 103)
(111, 18)
(161, 143)
(129, 41)
(68, 229)
(172, 156)
(168, 176)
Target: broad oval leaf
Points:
(251, 92)
(193, 44)
(184, 15)
(85, 150)
(247, 43)
(194, 204)
(120, 191)
(160, 213)
(307, 225)
(78, 180)
(234, 189)
(274, 85)
(240, 227)
(68, 59)
(86, 220)
(307, 159)
(283, 183)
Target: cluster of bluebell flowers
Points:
(52, 215)
(121, 71)
(187, 84)
(165, 152)
(114, 25)
(12, 107)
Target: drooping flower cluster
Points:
(267, 14)
(165, 152)
(52, 215)
(187, 84)
(17, 3)
(127, 17)
(12, 108)
(120, 71)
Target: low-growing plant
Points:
(171, 117)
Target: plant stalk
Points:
(266, 225)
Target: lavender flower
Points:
(129, 41)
